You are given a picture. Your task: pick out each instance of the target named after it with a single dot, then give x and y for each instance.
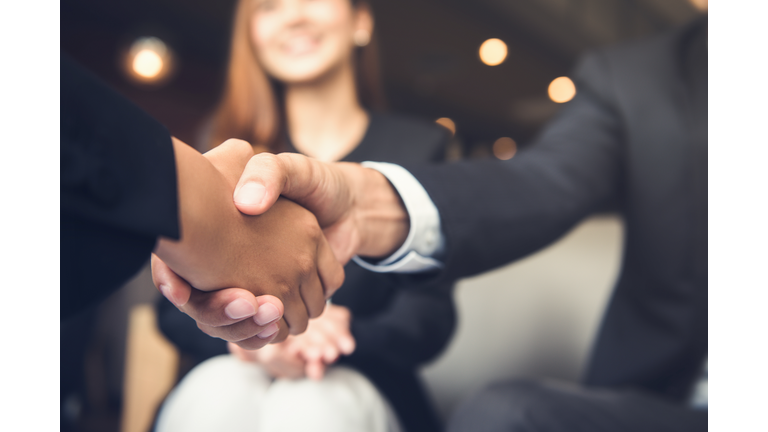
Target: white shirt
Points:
(425, 239)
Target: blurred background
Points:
(489, 70)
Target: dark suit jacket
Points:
(118, 188)
(635, 136)
(397, 325)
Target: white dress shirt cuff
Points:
(424, 240)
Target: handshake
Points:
(264, 238)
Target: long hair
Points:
(251, 107)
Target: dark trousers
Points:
(527, 406)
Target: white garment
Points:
(700, 396)
(425, 238)
(226, 394)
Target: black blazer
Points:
(118, 188)
(635, 136)
(398, 325)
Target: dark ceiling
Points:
(429, 54)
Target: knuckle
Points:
(305, 263)
(290, 293)
(266, 160)
(317, 308)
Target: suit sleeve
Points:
(118, 188)
(494, 212)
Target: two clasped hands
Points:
(265, 256)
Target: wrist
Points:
(380, 215)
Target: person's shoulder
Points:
(623, 67)
(406, 138)
(646, 53)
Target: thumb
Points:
(319, 187)
(261, 183)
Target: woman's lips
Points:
(300, 45)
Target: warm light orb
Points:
(493, 52)
(147, 63)
(447, 123)
(504, 148)
(562, 90)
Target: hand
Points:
(359, 210)
(232, 314)
(282, 252)
(308, 354)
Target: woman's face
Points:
(299, 41)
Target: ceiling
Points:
(428, 49)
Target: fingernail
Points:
(239, 309)
(268, 332)
(166, 290)
(266, 314)
(250, 194)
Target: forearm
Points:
(206, 212)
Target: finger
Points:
(341, 337)
(222, 307)
(343, 239)
(311, 183)
(312, 352)
(270, 309)
(315, 369)
(262, 182)
(295, 315)
(230, 158)
(217, 314)
(313, 296)
(328, 341)
(346, 344)
(173, 287)
(330, 353)
(283, 331)
(255, 342)
(320, 345)
(329, 269)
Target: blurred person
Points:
(128, 188)
(634, 137)
(303, 77)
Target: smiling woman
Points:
(303, 78)
(281, 47)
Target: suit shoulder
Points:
(643, 55)
(632, 67)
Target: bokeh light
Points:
(148, 64)
(562, 89)
(493, 52)
(447, 123)
(149, 61)
(504, 148)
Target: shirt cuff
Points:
(425, 238)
